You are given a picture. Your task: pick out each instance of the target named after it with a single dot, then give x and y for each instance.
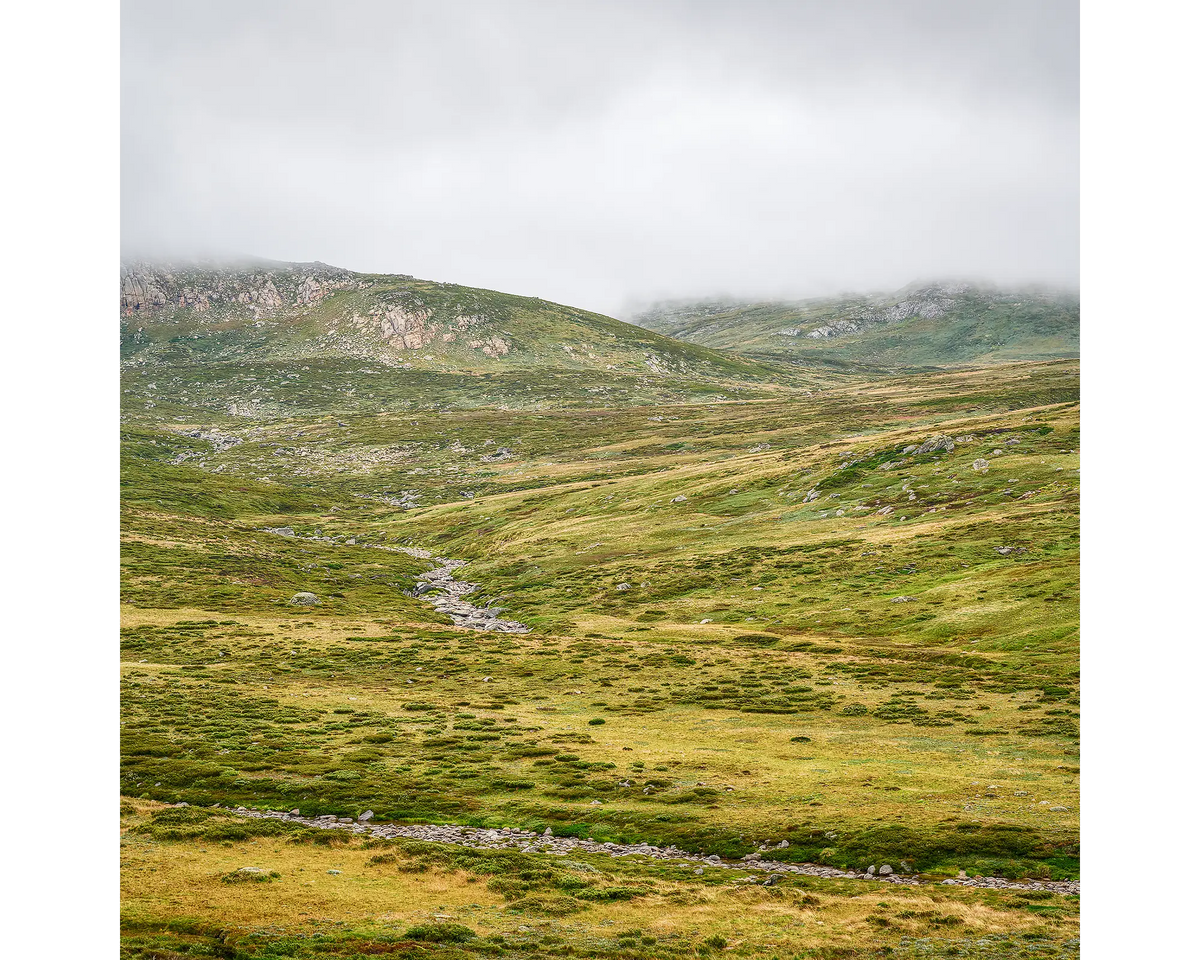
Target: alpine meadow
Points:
(461, 624)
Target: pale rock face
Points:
(139, 292)
(408, 327)
(151, 287)
(310, 291)
(191, 297)
(493, 346)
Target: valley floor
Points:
(834, 627)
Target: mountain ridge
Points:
(926, 323)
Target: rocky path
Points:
(479, 838)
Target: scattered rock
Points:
(365, 816)
(515, 839)
(981, 465)
(679, 499)
(304, 599)
(903, 599)
(623, 586)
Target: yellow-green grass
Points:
(177, 895)
(940, 730)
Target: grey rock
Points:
(679, 499)
(935, 444)
(304, 599)
(623, 586)
(886, 870)
(902, 599)
(981, 465)
(365, 816)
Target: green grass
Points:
(752, 679)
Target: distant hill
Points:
(936, 324)
(265, 335)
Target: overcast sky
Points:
(603, 153)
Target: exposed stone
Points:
(304, 599)
(935, 444)
(481, 838)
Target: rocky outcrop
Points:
(407, 328)
(263, 288)
(492, 346)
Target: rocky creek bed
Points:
(480, 838)
(451, 591)
(438, 586)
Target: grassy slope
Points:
(536, 334)
(978, 329)
(940, 731)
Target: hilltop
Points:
(284, 330)
(922, 325)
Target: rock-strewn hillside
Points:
(921, 325)
(260, 338)
(305, 310)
